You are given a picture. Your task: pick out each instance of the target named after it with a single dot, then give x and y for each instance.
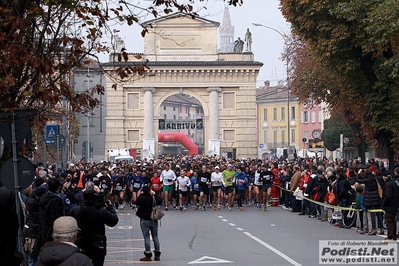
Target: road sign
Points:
(261, 145)
(51, 130)
(291, 152)
(58, 141)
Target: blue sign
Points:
(51, 130)
(261, 146)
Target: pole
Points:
(65, 133)
(45, 148)
(88, 119)
(16, 181)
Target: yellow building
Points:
(279, 120)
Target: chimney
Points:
(267, 85)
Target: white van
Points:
(126, 158)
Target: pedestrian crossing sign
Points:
(51, 130)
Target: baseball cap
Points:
(230, 165)
(217, 167)
(65, 225)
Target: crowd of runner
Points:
(201, 183)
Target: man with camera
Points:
(92, 215)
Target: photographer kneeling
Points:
(92, 215)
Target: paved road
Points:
(250, 237)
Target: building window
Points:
(320, 116)
(274, 114)
(229, 100)
(174, 117)
(265, 137)
(229, 135)
(305, 117)
(133, 135)
(164, 116)
(164, 107)
(133, 101)
(313, 116)
(265, 114)
(282, 113)
(283, 137)
(275, 136)
(174, 108)
(306, 136)
(292, 136)
(292, 113)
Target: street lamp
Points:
(288, 84)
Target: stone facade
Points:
(183, 58)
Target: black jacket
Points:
(91, 222)
(144, 204)
(343, 189)
(61, 254)
(390, 201)
(371, 198)
(32, 217)
(321, 190)
(51, 207)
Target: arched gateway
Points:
(183, 58)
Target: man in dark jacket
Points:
(51, 207)
(62, 251)
(343, 189)
(92, 219)
(390, 205)
(145, 203)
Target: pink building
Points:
(311, 125)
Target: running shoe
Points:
(218, 207)
(240, 208)
(264, 208)
(214, 207)
(229, 208)
(195, 208)
(180, 208)
(166, 209)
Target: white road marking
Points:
(240, 229)
(293, 262)
(208, 260)
(232, 224)
(224, 220)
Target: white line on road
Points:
(240, 229)
(224, 220)
(293, 262)
(232, 224)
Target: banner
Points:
(148, 148)
(183, 124)
(214, 147)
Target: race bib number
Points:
(196, 186)
(118, 188)
(204, 179)
(155, 186)
(136, 185)
(104, 186)
(267, 177)
(228, 179)
(240, 181)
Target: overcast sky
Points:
(267, 45)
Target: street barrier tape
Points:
(326, 204)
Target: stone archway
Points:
(180, 120)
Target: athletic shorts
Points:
(196, 192)
(266, 187)
(183, 193)
(216, 188)
(116, 192)
(204, 189)
(228, 190)
(168, 189)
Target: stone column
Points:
(148, 112)
(213, 112)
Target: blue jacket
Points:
(242, 181)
